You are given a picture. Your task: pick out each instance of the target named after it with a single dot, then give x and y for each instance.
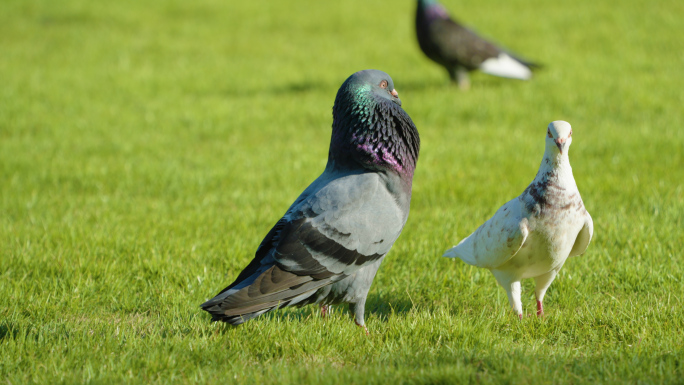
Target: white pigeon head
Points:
(559, 136)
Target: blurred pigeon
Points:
(532, 235)
(329, 244)
(460, 50)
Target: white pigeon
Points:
(532, 235)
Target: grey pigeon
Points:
(532, 235)
(329, 244)
(460, 50)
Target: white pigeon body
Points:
(532, 235)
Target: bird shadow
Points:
(300, 87)
(418, 86)
(9, 330)
(478, 81)
(380, 306)
(384, 306)
(308, 86)
(292, 88)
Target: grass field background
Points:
(147, 147)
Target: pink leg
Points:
(362, 326)
(520, 316)
(540, 308)
(325, 309)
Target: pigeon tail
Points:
(457, 252)
(506, 66)
(525, 62)
(239, 316)
(236, 316)
(237, 320)
(261, 293)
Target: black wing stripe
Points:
(265, 246)
(296, 256)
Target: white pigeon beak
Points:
(395, 93)
(559, 143)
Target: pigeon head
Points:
(370, 129)
(431, 10)
(559, 136)
(377, 82)
(427, 2)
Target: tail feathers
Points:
(450, 253)
(525, 62)
(268, 291)
(461, 253)
(242, 318)
(506, 66)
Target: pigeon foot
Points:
(325, 309)
(540, 308)
(362, 326)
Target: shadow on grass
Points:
(416, 86)
(308, 86)
(8, 330)
(478, 81)
(381, 306)
(300, 87)
(293, 88)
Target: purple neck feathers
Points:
(374, 133)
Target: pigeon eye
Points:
(383, 84)
(570, 133)
(549, 132)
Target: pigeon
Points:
(532, 235)
(328, 246)
(459, 50)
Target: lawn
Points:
(147, 147)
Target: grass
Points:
(146, 149)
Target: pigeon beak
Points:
(559, 143)
(396, 99)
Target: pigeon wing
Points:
(496, 241)
(458, 44)
(352, 221)
(328, 234)
(583, 237)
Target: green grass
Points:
(146, 149)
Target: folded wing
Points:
(457, 44)
(496, 241)
(336, 227)
(583, 238)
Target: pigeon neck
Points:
(427, 3)
(555, 165)
(375, 134)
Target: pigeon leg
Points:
(363, 326)
(513, 290)
(459, 75)
(540, 308)
(452, 74)
(358, 310)
(463, 78)
(325, 309)
(542, 283)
